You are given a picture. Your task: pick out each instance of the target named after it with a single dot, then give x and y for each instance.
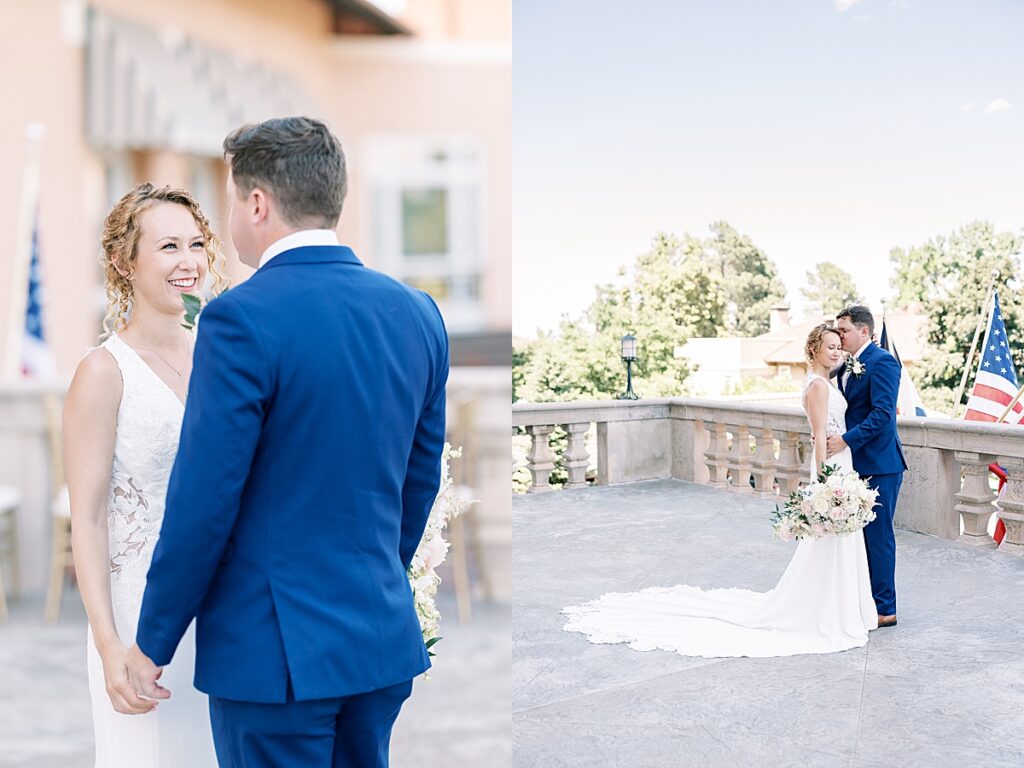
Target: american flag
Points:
(908, 402)
(36, 356)
(996, 382)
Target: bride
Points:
(821, 604)
(121, 423)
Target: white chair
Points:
(10, 501)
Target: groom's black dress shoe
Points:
(887, 621)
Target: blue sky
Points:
(823, 133)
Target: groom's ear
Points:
(259, 205)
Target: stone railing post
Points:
(789, 463)
(576, 457)
(975, 498)
(717, 455)
(763, 465)
(739, 459)
(1011, 506)
(540, 460)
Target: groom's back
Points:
(329, 508)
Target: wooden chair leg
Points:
(58, 564)
(460, 571)
(473, 535)
(15, 579)
(3, 596)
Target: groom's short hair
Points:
(298, 161)
(859, 315)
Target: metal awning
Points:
(360, 17)
(157, 88)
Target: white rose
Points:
(433, 551)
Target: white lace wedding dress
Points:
(177, 733)
(821, 604)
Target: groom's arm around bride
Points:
(308, 462)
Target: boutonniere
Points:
(193, 306)
(854, 366)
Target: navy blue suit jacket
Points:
(308, 463)
(871, 414)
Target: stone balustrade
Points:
(760, 449)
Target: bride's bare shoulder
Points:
(97, 380)
(816, 384)
(816, 391)
(98, 366)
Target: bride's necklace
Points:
(176, 370)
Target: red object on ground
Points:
(1000, 526)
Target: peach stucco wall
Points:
(453, 77)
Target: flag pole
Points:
(34, 133)
(1020, 392)
(974, 344)
(1017, 397)
(883, 324)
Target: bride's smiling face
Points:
(830, 353)
(170, 257)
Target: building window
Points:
(425, 222)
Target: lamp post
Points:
(629, 357)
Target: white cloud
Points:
(997, 105)
(842, 6)
(966, 107)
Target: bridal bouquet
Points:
(433, 549)
(838, 502)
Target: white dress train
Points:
(177, 733)
(822, 603)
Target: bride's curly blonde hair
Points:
(120, 241)
(816, 337)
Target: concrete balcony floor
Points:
(459, 717)
(944, 688)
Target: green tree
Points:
(573, 363)
(918, 270)
(829, 288)
(949, 277)
(665, 298)
(748, 280)
(670, 294)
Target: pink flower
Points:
(433, 552)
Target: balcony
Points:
(758, 450)
(661, 494)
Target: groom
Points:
(870, 381)
(308, 463)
